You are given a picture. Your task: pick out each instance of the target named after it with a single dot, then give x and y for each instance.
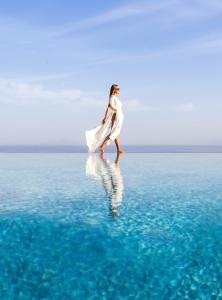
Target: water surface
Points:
(141, 226)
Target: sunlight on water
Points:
(138, 226)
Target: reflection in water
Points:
(109, 172)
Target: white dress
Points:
(96, 136)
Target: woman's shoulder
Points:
(112, 98)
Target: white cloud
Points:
(163, 11)
(136, 105)
(206, 45)
(19, 32)
(120, 12)
(186, 107)
(46, 77)
(23, 93)
(27, 93)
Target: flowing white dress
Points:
(96, 136)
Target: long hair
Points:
(112, 89)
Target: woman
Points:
(113, 119)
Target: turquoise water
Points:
(141, 226)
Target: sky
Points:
(59, 58)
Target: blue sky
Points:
(59, 59)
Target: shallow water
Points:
(143, 226)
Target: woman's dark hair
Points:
(112, 89)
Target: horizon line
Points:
(157, 148)
(84, 145)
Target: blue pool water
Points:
(141, 226)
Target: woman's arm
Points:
(109, 105)
(104, 119)
(112, 107)
(112, 103)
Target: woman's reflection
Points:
(109, 172)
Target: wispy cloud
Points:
(184, 11)
(44, 77)
(137, 105)
(207, 44)
(17, 92)
(162, 11)
(118, 13)
(186, 107)
(17, 32)
(26, 93)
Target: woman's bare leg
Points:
(107, 138)
(117, 142)
(103, 144)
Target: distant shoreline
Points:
(111, 149)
